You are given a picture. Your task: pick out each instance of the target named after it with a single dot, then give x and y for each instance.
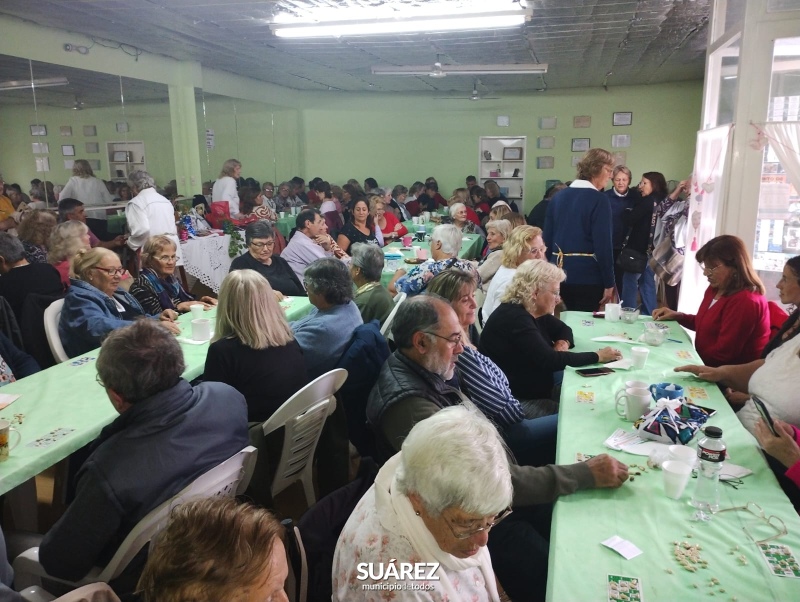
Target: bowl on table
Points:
(629, 315)
(654, 336)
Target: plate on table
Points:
(414, 260)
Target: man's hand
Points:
(783, 447)
(323, 241)
(708, 373)
(608, 472)
(609, 296)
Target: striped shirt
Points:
(486, 385)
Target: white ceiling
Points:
(585, 43)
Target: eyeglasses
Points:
(454, 340)
(269, 190)
(167, 258)
(470, 532)
(111, 271)
(261, 245)
(709, 271)
(99, 380)
(756, 510)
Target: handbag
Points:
(667, 263)
(631, 260)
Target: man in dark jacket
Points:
(168, 434)
(413, 386)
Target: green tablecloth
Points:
(285, 224)
(116, 224)
(68, 396)
(470, 249)
(640, 512)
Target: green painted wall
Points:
(400, 139)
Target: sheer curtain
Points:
(785, 142)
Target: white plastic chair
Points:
(95, 592)
(303, 415)
(399, 298)
(51, 317)
(228, 479)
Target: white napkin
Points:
(622, 364)
(613, 339)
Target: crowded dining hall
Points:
(464, 300)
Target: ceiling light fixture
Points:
(439, 70)
(22, 84)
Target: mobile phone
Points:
(594, 371)
(762, 409)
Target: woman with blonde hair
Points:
(526, 341)
(34, 231)
(65, 241)
(524, 242)
(226, 188)
(85, 186)
(254, 349)
(497, 232)
(385, 221)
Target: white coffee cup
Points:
(639, 357)
(636, 384)
(197, 311)
(613, 311)
(681, 453)
(201, 329)
(282, 214)
(415, 219)
(676, 477)
(5, 431)
(631, 404)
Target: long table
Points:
(67, 396)
(472, 244)
(640, 512)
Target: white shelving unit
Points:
(503, 159)
(121, 165)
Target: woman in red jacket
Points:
(732, 323)
(390, 226)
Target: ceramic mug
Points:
(632, 403)
(420, 235)
(5, 431)
(406, 241)
(660, 391)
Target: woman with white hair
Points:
(150, 214)
(84, 186)
(366, 266)
(430, 510)
(458, 213)
(524, 339)
(497, 232)
(65, 241)
(225, 188)
(445, 246)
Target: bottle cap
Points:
(713, 431)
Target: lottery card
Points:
(587, 322)
(683, 354)
(585, 397)
(624, 588)
(51, 437)
(581, 457)
(82, 361)
(696, 393)
(780, 560)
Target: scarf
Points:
(166, 289)
(397, 515)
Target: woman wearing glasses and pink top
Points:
(95, 305)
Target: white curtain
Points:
(785, 143)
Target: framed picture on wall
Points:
(512, 153)
(122, 127)
(547, 123)
(580, 145)
(94, 164)
(90, 130)
(42, 164)
(92, 147)
(546, 141)
(66, 130)
(582, 121)
(620, 140)
(40, 148)
(623, 118)
(545, 162)
(38, 130)
(122, 156)
(68, 150)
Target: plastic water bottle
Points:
(711, 452)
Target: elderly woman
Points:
(523, 243)
(533, 442)
(225, 188)
(360, 228)
(497, 232)
(243, 544)
(34, 231)
(66, 240)
(445, 246)
(398, 203)
(85, 186)
(260, 240)
(389, 225)
(149, 213)
(286, 199)
(156, 288)
(373, 300)
(326, 331)
(254, 349)
(458, 213)
(578, 233)
(732, 323)
(434, 502)
(528, 348)
(95, 305)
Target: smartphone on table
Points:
(594, 371)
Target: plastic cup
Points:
(201, 329)
(406, 241)
(681, 453)
(676, 477)
(197, 311)
(639, 356)
(422, 253)
(282, 214)
(613, 311)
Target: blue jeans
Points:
(533, 441)
(644, 284)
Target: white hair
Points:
(456, 458)
(450, 237)
(455, 207)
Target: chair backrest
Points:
(224, 480)
(52, 315)
(303, 415)
(387, 323)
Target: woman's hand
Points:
(210, 301)
(609, 296)
(186, 306)
(608, 354)
(279, 295)
(561, 345)
(665, 313)
(168, 315)
(708, 373)
(782, 447)
(172, 327)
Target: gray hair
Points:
(450, 237)
(259, 229)
(503, 227)
(228, 167)
(330, 278)
(140, 180)
(369, 258)
(140, 360)
(65, 240)
(455, 207)
(416, 314)
(456, 459)
(11, 249)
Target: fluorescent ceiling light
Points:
(22, 84)
(368, 27)
(443, 70)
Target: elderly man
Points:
(167, 434)
(413, 384)
(73, 209)
(310, 242)
(445, 246)
(148, 213)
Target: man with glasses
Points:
(415, 383)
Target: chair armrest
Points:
(36, 594)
